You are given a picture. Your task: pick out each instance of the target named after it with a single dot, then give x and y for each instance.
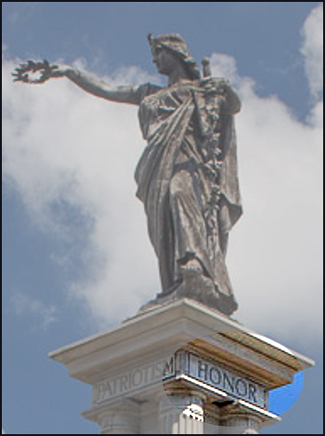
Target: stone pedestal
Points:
(180, 368)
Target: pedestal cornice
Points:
(186, 347)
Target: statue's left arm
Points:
(233, 102)
(223, 87)
(220, 86)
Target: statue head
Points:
(176, 45)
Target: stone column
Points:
(240, 422)
(181, 413)
(121, 418)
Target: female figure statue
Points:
(187, 175)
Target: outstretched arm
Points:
(97, 87)
(91, 84)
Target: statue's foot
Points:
(195, 284)
(192, 266)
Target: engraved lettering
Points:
(137, 378)
(202, 367)
(226, 380)
(124, 383)
(145, 374)
(132, 380)
(169, 367)
(252, 392)
(241, 387)
(114, 386)
(215, 375)
(158, 370)
(129, 381)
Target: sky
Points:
(76, 258)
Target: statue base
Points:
(180, 368)
(198, 287)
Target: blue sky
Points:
(73, 233)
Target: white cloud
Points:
(224, 65)
(275, 253)
(276, 250)
(312, 49)
(61, 144)
(24, 305)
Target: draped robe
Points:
(176, 189)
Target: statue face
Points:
(165, 61)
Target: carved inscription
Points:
(130, 380)
(212, 374)
(225, 380)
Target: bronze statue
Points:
(187, 175)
